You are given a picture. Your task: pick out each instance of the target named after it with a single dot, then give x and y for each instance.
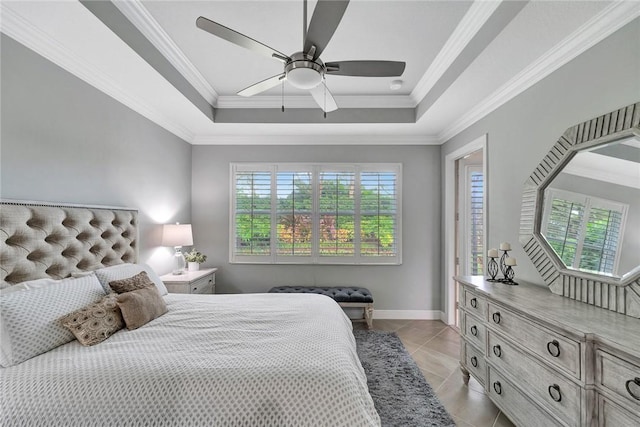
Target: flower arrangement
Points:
(195, 255)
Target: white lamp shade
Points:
(177, 235)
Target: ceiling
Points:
(464, 59)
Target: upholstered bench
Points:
(346, 296)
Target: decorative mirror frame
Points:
(621, 295)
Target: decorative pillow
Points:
(139, 281)
(29, 318)
(96, 322)
(141, 306)
(124, 271)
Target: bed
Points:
(227, 360)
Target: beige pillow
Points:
(96, 322)
(139, 281)
(141, 306)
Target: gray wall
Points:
(523, 130)
(65, 141)
(630, 249)
(414, 285)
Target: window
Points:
(475, 215)
(316, 213)
(584, 231)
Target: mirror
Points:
(580, 218)
(591, 209)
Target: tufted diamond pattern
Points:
(338, 293)
(50, 241)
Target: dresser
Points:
(191, 282)
(546, 360)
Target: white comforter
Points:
(219, 360)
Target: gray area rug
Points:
(402, 396)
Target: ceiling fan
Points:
(304, 69)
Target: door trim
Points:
(479, 143)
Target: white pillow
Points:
(124, 271)
(32, 284)
(29, 317)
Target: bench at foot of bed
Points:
(346, 296)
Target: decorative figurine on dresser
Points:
(568, 353)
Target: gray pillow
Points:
(141, 306)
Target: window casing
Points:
(320, 213)
(584, 231)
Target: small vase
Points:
(194, 266)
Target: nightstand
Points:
(191, 282)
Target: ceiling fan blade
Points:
(263, 85)
(324, 99)
(238, 38)
(365, 68)
(324, 21)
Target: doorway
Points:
(465, 218)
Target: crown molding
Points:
(15, 26)
(478, 14)
(140, 17)
(602, 25)
(315, 140)
(306, 101)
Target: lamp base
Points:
(179, 262)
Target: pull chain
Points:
(283, 96)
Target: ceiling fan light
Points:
(304, 78)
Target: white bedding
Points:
(218, 360)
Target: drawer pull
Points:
(553, 347)
(635, 381)
(497, 350)
(554, 392)
(474, 303)
(496, 317)
(474, 361)
(497, 387)
(474, 330)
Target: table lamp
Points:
(177, 235)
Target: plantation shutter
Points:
(585, 231)
(378, 214)
(294, 216)
(316, 213)
(336, 208)
(600, 248)
(476, 216)
(563, 228)
(252, 213)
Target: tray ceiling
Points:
(464, 59)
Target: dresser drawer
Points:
(619, 377)
(552, 347)
(473, 303)
(203, 285)
(475, 363)
(520, 409)
(473, 330)
(612, 415)
(543, 383)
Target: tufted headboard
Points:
(43, 240)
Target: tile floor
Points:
(435, 347)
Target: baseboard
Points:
(408, 314)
